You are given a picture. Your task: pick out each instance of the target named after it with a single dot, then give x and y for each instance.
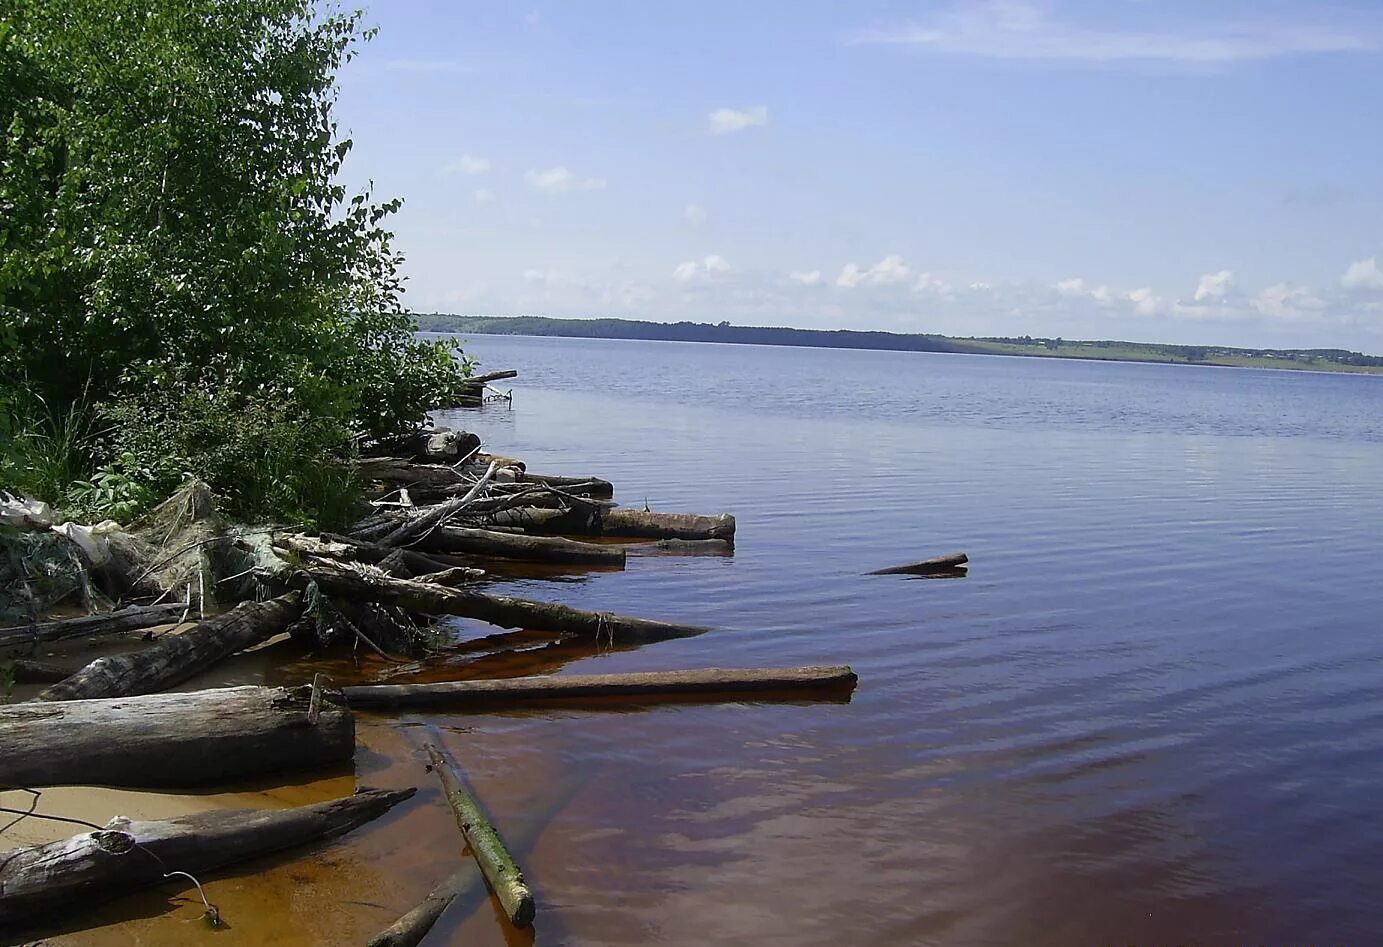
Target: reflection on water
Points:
(1149, 713)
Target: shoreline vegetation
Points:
(1330, 360)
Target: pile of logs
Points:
(448, 524)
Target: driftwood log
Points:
(502, 610)
(133, 618)
(730, 684)
(941, 564)
(593, 486)
(619, 523)
(483, 542)
(487, 848)
(171, 739)
(345, 549)
(411, 928)
(24, 671)
(175, 658)
(70, 874)
(682, 547)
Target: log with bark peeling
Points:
(502, 610)
(496, 864)
(132, 618)
(483, 542)
(940, 565)
(182, 739)
(175, 658)
(727, 683)
(69, 875)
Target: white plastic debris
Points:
(91, 539)
(24, 513)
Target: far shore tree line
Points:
(186, 289)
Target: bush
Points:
(171, 221)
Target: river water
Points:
(1150, 713)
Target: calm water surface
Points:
(1151, 712)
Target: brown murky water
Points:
(1150, 714)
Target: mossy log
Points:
(483, 542)
(941, 564)
(132, 618)
(733, 684)
(175, 658)
(69, 875)
(502, 610)
(487, 848)
(185, 739)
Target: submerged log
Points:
(483, 542)
(171, 739)
(409, 930)
(132, 618)
(947, 563)
(682, 547)
(729, 683)
(70, 874)
(175, 658)
(496, 864)
(620, 523)
(502, 610)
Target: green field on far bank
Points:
(1335, 360)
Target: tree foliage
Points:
(173, 232)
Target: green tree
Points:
(174, 238)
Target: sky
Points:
(1203, 172)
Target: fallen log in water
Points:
(409, 930)
(345, 549)
(593, 486)
(730, 683)
(175, 658)
(170, 739)
(132, 618)
(619, 522)
(24, 671)
(414, 528)
(682, 547)
(502, 610)
(496, 864)
(483, 542)
(941, 564)
(70, 874)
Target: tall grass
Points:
(44, 448)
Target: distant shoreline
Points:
(1328, 360)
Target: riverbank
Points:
(1331, 360)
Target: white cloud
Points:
(1077, 288)
(1284, 301)
(1363, 274)
(1214, 286)
(1144, 302)
(483, 195)
(559, 181)
(890, 270)
(1023, 30)
(468, 164)
(805, 277)
(707, 267)
(723, 121)
(695, 214)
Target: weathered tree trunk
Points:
(132, 618)
(502, 610)
(345, 549)
(25, 671)
(70, 874)
(409, 930)
(947, 563)
(176, 658)
(682, 547)
(397, 470)
(170, 739)
(594, 486)
(730, 684)
(504, 876)
(412, 529)
(620, 522)
(492, 376)
(481, 542)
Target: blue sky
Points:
(1164, 171)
